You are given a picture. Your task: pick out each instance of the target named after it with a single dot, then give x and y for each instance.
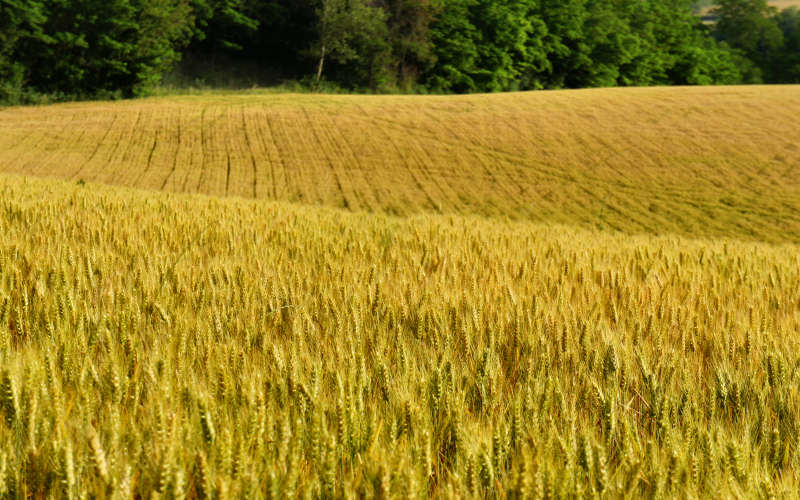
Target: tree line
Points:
(68, 49)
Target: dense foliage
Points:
(90, 48)
(85, 48)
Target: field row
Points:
(705, 161)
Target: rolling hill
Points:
(717, 161)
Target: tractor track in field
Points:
(499, 154)
(204, 148)
(22, 146)
(272, 165)
(251, 154)
(131, 148)
(350, 202)
(149, 163)
(458, 139)
(432, 204)
(98, 146)
(274, 129)
(178, 145)
(33, 166)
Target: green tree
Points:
(85, 54)
(90, 48)
(750, 26)
(610, 44)
(786, 62)
(594, 43)
(343, 26)
(410, 38)
(565, 42)
(455, 41)
(226, 25)
(285, 29)
(673, 47)
(20, 20)
(488, 45)
(706, 65)
(511, 44)
(164, 29)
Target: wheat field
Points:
(188, 344)
(718, 161)
(784, 4)
(777, 4)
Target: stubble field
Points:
(174, 345)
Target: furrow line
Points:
(251, 153)
(277, 152)
(179, 139)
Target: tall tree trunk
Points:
(321, 64)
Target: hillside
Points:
(713, 161)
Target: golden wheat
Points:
(171, 346)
